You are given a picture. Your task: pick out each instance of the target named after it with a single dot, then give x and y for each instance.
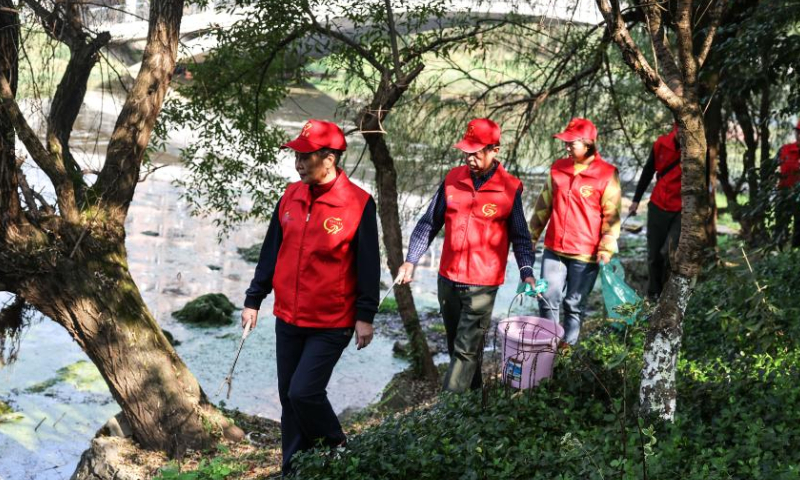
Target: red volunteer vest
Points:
(667, 192)
(789, 157)
(574, 227)
(315, 274)
(476, 241)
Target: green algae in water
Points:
(212, 309)
(250, 254)
(388, 306)
(7, 414)
(82, 375)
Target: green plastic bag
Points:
(616, 292)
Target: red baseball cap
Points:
(480, 133)
(578, 129)
(318, 134)
(797, 127)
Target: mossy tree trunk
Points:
(95, 299)
(70, 263)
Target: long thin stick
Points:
(755, 280)
(229, 379)
(391, 287)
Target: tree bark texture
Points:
(9, 63)
(386, 96)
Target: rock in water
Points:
(105, 461)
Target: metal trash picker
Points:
(229, 379)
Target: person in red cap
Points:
(321, 257)
(789, 164)
(579, 205)
(664, 209)
(479, 205)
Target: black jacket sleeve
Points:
(368, 264)
(647, 176)
(261, 285)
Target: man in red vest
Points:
(479, 205)
(664, 209)
(789, 163)
(321, 257)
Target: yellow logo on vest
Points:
(587, 191)
(333, 225)
(489, 210)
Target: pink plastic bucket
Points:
(528, 345)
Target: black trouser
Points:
(796, 232)
(306, 357)
(663, 231)
(467, 314)
(788, 213)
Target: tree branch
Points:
(684, 30)
(660, 42)
(120, 174)
(413, 54)
(393, 39)
(716, 18)
(633, 55)
(337, 35)
(49, 163)
(56, 26)
(67, 103)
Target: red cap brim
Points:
(302, 144)
(468, 146)
(567, 136)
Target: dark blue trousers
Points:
(306, 357)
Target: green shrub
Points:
(737, 417)
(218, 468)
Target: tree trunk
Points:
(9, 62)
(421, 359)
(72, 266)
(657, 392)
(386, 96)
(98, 303)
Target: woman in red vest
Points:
(321, 257)
(789, 162)
(580, 206)
(664, 209)
(479, 205)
